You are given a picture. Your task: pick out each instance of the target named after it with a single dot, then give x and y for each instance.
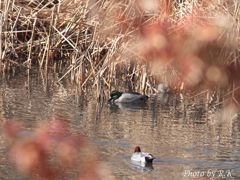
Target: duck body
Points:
(163, 89)
(164, 94)
(142, 157)
(131, 97)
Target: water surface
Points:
(186, 143)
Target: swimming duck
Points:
(164, 93)
(130, 97)
(141, 157)
(163, 89)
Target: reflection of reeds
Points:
(98, 42)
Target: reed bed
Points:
(128, 44)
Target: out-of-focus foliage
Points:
(51, 151)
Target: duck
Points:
(164, 93)
(142, 157)
(163, 88)
(127, 97)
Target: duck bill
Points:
(110, 99)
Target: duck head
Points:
(114, 95)
(163, 88)
(137, 149)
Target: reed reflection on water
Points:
(184, 139)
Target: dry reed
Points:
(129, 44)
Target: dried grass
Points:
(97, 43)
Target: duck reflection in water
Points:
(142, 167)
(127, 107)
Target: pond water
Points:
(186, 144)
